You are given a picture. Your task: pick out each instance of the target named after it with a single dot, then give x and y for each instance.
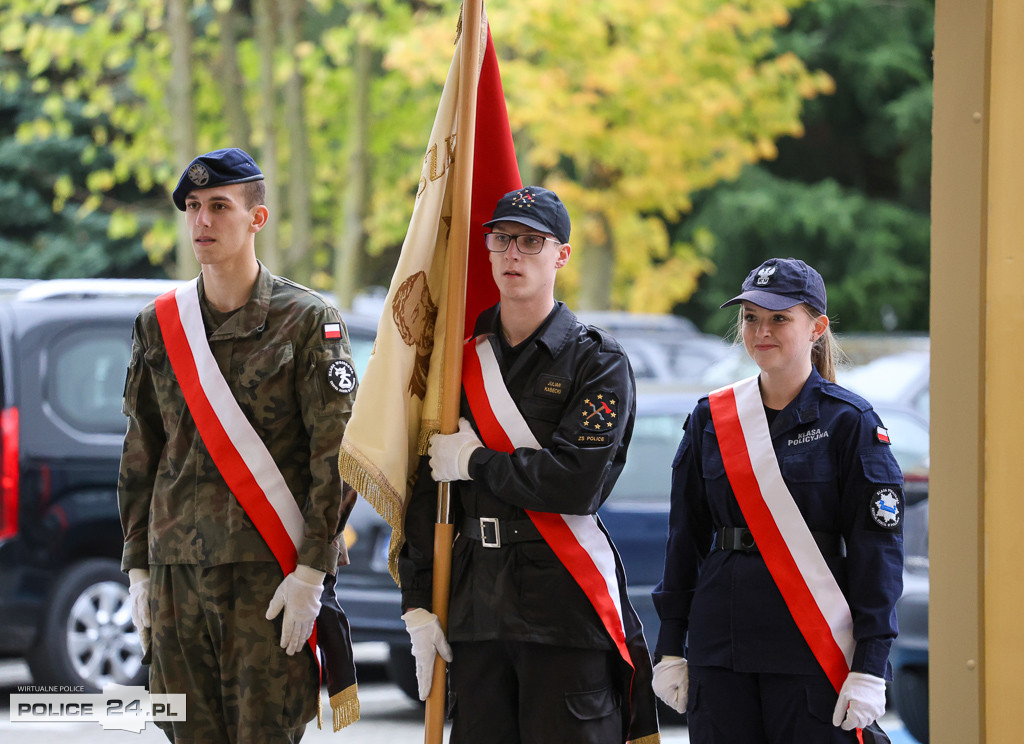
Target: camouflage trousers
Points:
(211, 641)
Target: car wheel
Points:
(910, 691)
(402, 670)
(87, 637)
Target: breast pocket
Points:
(166, 390)
(543, 416)
(809, 467)
(266, 383)
(711, 463)
(812, 480)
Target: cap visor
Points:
(535, 224)
(767, 300)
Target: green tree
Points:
(626, 108)
(851, 197)
(51, 224)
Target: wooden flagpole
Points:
(455, 311)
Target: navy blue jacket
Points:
(722, 608)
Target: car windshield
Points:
(886, 378)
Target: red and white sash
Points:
(577, 540)
(807, 585)
(240, 455)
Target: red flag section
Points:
(495, 173)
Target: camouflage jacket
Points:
(294, 382)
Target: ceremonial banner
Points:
(399, 402)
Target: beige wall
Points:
(977, 330)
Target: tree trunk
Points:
(268, 242)
(229, 78)
(300, 261)
(598, 265)
(183, 130)
(348, 261)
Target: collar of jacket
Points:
(804, 408)
(555, 332)
(251, 318)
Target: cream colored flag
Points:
(399, 401)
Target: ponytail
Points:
(826, 355)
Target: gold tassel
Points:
(649, 739)
(346, 707)
(319, 711)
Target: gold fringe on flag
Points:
(346, 707)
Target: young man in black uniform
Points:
(541, 650)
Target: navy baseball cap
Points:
(781, 283)
(534, 207)
(217, 168)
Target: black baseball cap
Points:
(216, 168)
(534, 207)
(781, 283)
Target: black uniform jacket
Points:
(558, 378)
(724, 605)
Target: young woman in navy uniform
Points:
(730, 653)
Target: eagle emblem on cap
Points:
(198, 174)
(764, 275)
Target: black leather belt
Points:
(494, 532)
(740, 538)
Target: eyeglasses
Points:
(529, 244)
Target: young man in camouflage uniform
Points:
(204, 583)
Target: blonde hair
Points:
(826, 355)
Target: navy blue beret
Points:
(217, 168)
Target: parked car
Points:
(664, 349)
(64, 350)
(902, 379)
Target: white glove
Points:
(138, 592)
(427, 640)
(449, 453)
(861, 701)
(671, 682)
(299, 596)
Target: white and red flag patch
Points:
(332, 330)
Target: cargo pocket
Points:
(821, 703)
(132, 381)
(592, 705)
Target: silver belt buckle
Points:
(485, 539)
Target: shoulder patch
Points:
(886, 509)
(599, 411)
(341, 376)
(331, 331)
(882, 435)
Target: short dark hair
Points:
(255, 193)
